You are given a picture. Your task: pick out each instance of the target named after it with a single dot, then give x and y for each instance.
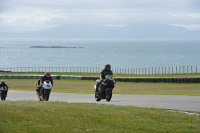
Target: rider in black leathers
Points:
(3, 84)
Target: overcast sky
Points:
(34, 15)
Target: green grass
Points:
(86, 87)
(59, 117)
(97, 74)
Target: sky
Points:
(38, 15)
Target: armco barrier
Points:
(161, 80)
(25, 76)
(123, 79)
(71, 77)
(153, 79)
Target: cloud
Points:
(192, 27)
(184, 15)
(29, 20)
(24, 15)
(114, 25)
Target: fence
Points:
(137, 71)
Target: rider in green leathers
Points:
(106, 71)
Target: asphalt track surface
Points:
(182, 103)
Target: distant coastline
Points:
(53, 47)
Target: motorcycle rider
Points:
(47, 76)
(3, 84)
(106, 71)
(39, 85)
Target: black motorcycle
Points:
(3, 92)
(104, 91)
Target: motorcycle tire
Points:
(46, 98)
(97, 99)
(3, 97)
(108, 95)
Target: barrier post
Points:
(196, 69)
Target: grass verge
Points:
(55, 117)
(86, 87)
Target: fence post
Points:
(196, 69)
(191, 70)
(172, 71)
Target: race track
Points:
(185, 103)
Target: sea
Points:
(119, 53)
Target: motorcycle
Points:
(47, 90)
(104, 90)
(3, 91)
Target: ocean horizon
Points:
(120, 53)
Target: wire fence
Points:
(136, 71)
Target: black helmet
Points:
(3, 82)
(108, 67)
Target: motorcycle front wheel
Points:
(108, 95)
(3, 97)
(46, 98)
(97, 99)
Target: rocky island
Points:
(53, 47)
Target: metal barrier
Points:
(136, 79)
(137, 71)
